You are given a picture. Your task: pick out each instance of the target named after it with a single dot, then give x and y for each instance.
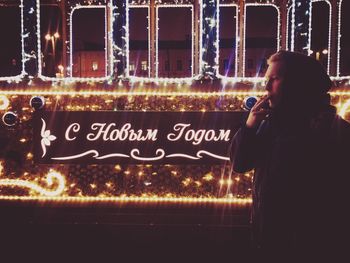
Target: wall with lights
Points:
(117, 38)
(20, 96)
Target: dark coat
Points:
(299, 181)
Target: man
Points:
(297, 146)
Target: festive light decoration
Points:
(4, 102)
(117, 29)
(126, 183)
(134, 199)
(293, 26)
(289, 9)
(302, 15)
(209, 44)
(132, 183)
(344, 108)
(51, 176)
(245, 18)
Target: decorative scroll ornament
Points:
(47, 138)
(160, 154)
(50, 178)
(135, 154)
(198, 156)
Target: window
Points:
(320, 32)
(174, 41)
(144, 65)
(131, 67)
(10, 44)
(138, 41)
(227, 38)
(261, 39)
(51, 36)
(87, 46)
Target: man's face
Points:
(274, 78)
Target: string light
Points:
(289, 9)
(50, 177)
(109, 60)
(149, 93)
(134, 199)
(292, 44)
(4, 102)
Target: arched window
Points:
(174, 41)
(88, 52)
(343, 68)
(228, 30)
(320, 37)
(11, 44)
(50, 44)
(261, 37)
(139, 47)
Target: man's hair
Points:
(302, 73)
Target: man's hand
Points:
(258, 113)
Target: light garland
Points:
(218, 41)
(103, 188)
(344, 108)
(157, 39)
(148, 93)
(134, 199)
(339, 37)
(4, 102)
(51, 176)
(289, 9)
(135, 93)
(209, 53)
(244, 30)
(109, 60)
(292, 44)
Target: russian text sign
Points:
(99, 137)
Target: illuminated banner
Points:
(134, 137)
